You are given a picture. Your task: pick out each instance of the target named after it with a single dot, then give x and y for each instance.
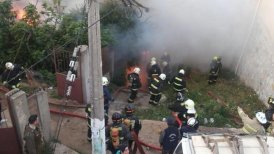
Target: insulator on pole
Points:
(76, 49)
(72, 77)
(76, 66)
(69, 90)
(68, 75)
(71, 63)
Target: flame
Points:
(20, 14)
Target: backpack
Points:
(115, 136)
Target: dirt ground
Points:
(74, 130)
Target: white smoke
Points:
(193, 31)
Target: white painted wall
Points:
(257, 63)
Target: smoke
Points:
(193, 31)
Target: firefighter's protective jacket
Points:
(178, 82)
(215, 67)
(156, 86)
(134, 79)
(12, 76)
(251, 126)
(154, 71)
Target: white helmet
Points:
(9, 65)
(191, 111)
(261, 117)
(164, 63)
(104, 81)
(162, 76)
(189, 104)
(137, 70)
(153, 59)
(153, 62)
(191, 121)
(182, 71)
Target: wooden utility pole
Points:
(95, 79)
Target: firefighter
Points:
(11, 76)
(117, 134)
(258, 125)
(191, 126)
(178, 82)
(33, 136)
(165, 57)
(166, 70)
(269, 114)
(155, 89)
(153, 71)
(215, 68)
(107, 95)
(169, 137)
(135, 84)
(271, 102)
(132, 122)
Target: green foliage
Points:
(32, 16)
(48, 77)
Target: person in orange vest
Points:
(117, 134)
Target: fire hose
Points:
(154, 147)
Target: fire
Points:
(20, 14)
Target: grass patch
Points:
(217, 101)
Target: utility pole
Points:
(95, 79)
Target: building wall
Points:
(257, 62)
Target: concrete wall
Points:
(257, 62)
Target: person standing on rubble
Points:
(169, 137)
(215, 68)
(11, 76)
(155, 89)
(135, 84)
(117, 134)
(33, 136)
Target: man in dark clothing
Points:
(170, 137)
(153, 71)
(215, 68)
(11, 76)
(117, 134)
(178, 82)
(33, 137)
(191, 126)
(131, 121)
(135, 84)
(107, 95)
(155, 89)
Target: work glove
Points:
(13, 86)
(5, 82)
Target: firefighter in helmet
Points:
(256, 126)
(215, 68)
(153, 71)
(155, 89)
(178, 82)
(11, 76)
(135, 84)
(165, 57)
(132, 122)
(107, 94)
(117, 133)
(166, 70)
